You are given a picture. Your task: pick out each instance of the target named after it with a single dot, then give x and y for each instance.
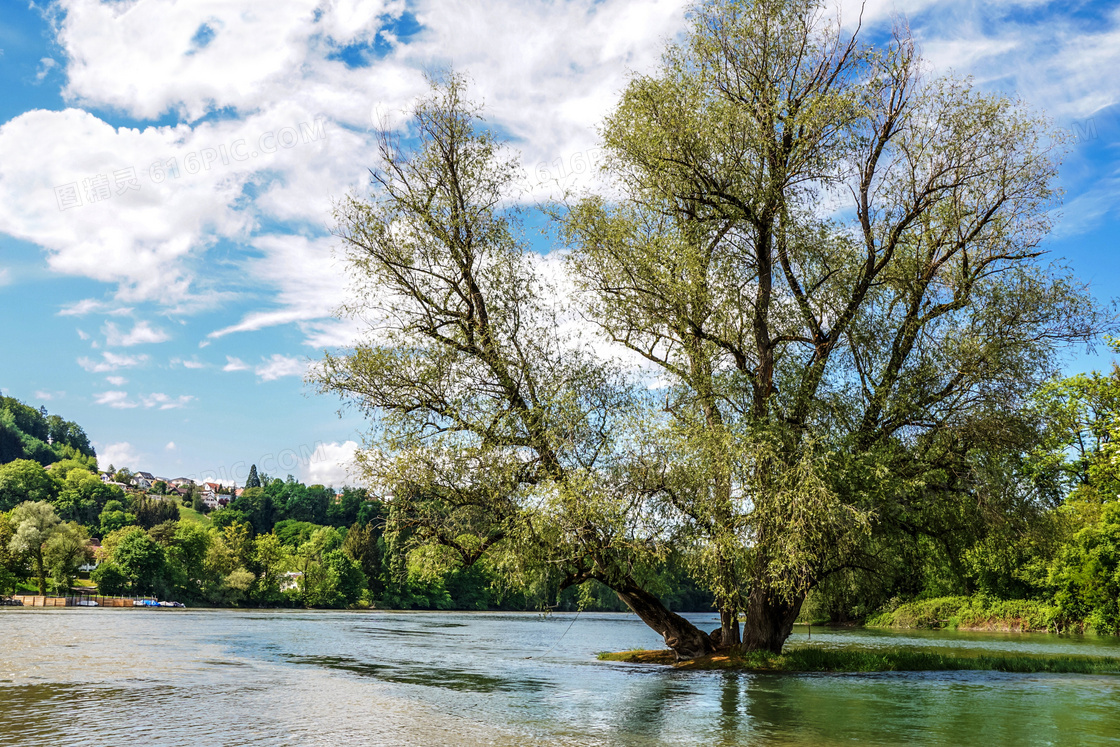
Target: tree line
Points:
(280, 543)
(29, 433)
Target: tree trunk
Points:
(686, 640)
(729, 628)
(40, 573)
(769, 621)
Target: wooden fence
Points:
(77, 600)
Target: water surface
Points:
(206, 677)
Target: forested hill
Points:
(29, 433)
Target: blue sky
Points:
(167, 171)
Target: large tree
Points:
(35, 524)
(836, 264)
(496, 433)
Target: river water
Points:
(226, 677)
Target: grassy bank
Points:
(189, 514)
(969, 613)
(815, 659)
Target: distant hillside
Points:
(27, 433)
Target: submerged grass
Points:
(816, 659)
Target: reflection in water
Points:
(203, 677)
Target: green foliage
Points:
(25, 480)
(975, 612)
(254, 480)
(293, 533)
(271, 559)
(1085, 576)
(225, 517)
(348, 509)
(66, 549)
(111, 521)
(307, 504)
(35, 523)
(258, 508)
(346, 574)
(84, 496)
(153, 511)
(186, 560)
(362, 545)
(11, 561)
(27, 433)
(139, 558)
(110, 579)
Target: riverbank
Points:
(817, 659)
(972, 613)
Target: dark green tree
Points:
(110, 579)
(194, 498)
(152, 511)
(362, 545)
(140, 559)
(254, 481)
(258, 506)
(225, 517)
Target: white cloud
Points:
(93, 306)
(111, 362)
(235, 364)
(165, 402)
(171, 446)
(142, 333)
(48, 396)
(332, 464)
(116, 380)
(197, 57)
(547, 72)
(45, 66)
(5, 276)
(121, 454)
(311, 284)
(121, 401)
(548, 88)
(279, 366)
(115, 399)
(84, 191)
(194, 363)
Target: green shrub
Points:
(969, 612)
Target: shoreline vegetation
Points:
(856, 660)
(977, 613)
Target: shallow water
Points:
(206, 677)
